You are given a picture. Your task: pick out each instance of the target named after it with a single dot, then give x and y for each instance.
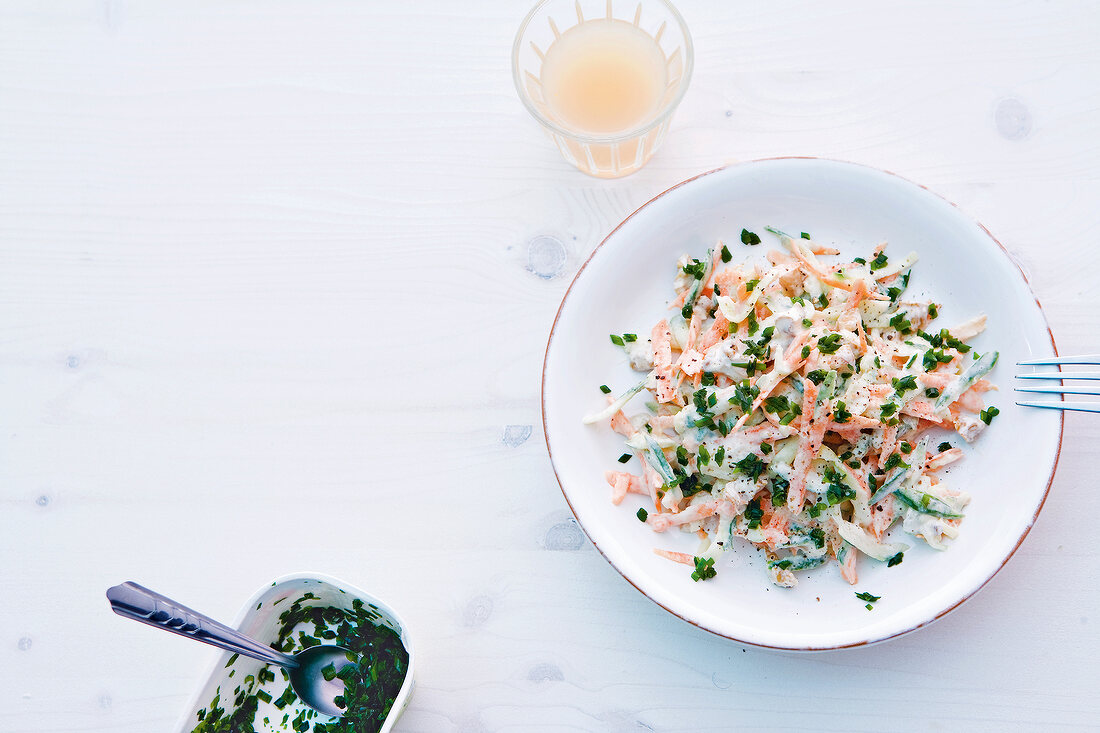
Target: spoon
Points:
(306, 667)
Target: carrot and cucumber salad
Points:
(790, 404)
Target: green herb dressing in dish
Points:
(265, 701)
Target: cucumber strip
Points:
(973, 373)
(862, 540)
(892, 484)
(927, 504)
(796, 562)
(620, 403)
(656, 458)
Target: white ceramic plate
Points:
(625, 287)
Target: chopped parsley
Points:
(879, 262)
(817, 376)
(933, 358)
(841, 413)
(704, 569)
(605, 389)
(944, 446)
(748, 237)
(829, 344)
(625, 457)
(901, 323)
(726, 255)
(988, 414)
(931, 392)
(895, 560)
(754, 513)
(867, 597)
(933, 312)
(904, 384)
(616, 339)
(894, 461)
(696, 268)
(642, 514)
(805, 235)
(751, 466)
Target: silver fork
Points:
(1087, 360)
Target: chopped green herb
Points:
(642, 514)
(779, 491)
(630, 337)
(605, 389)
(751, 466)
(988, 414)
(888, 409)
(906, 447)
(754, 513)
(894, 461)
(841, 413)
(704, 569)
(625, 457)
(867, 597)
(904, 384)
(879, 262)
(765, 448)
(931, 392)
(805, 352)
(686, 310)
(817, 376)
(726, 255)
(944, 446)
(933, 312)
(901, 323)
(748, 237)
(933, 358)
(807, 323)
(893, 291)
(696, 268)
(616, 339)
(720, 455)
(895, 560)
(860, 261)
(707, 380)
(829, 344)
(805, 235)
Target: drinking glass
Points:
(609, 155)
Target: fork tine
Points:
(1090, 359)
(1060, 375)
(1061, 390)
(1074, 406)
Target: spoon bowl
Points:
(317, 679)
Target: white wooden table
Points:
(272, 297)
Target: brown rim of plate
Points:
(941, 614)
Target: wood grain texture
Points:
(261, 256)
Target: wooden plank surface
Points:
(275, 283)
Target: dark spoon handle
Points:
(141, 604)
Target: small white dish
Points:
(625, 287)
(259, 618)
